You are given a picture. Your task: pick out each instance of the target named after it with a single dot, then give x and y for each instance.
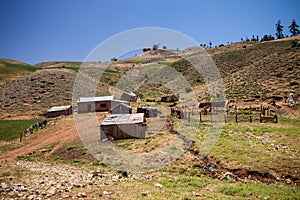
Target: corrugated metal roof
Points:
(58, 108)
(94, 99)
(130, 93)
(123, 119)
(121, 104)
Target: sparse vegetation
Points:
(265, 154)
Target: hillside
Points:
(259, 70)
(57, 64)
(250, 160)
(12, 69)
(250, 70)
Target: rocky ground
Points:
(37, 92)
(44, 180)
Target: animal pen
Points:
(244, 114)
(221, 111)
(123, 126)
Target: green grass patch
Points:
(10, 129)
(9, 71)
(11, 68)
(260, 191)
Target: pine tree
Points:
(279, 29)
(294, 28)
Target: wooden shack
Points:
(123, 126)
(59, 111)
(148, 111)
(128, 96)
(97, 104)
(121, 108)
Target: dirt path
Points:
(62, 132)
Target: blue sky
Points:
(43, 30)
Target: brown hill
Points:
(260, 70)
(32, 94)
(250, 70)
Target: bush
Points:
(146, 49)
(295, 43)
(292, 83)
(290, 68)
(188, 89)
(193, 173)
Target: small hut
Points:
(128, 96)
(59, 111)
(148, 111)
(97, 104)
(123, 126)
(121, 108)
(93, 104)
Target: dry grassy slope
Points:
(12, 69)
(35, 93)
(259, 70)
(53, 64)
(249, 70)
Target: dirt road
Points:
(62, 132)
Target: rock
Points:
(197, 194)
(158, 185)
(144, 194)
(65, 196)
(44, 150)
(115, 178)
(51, 191)
(123, 173)
(81, 195)
(31, 197)
(106, 192)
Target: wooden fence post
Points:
(200, 116)
(250, 114)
